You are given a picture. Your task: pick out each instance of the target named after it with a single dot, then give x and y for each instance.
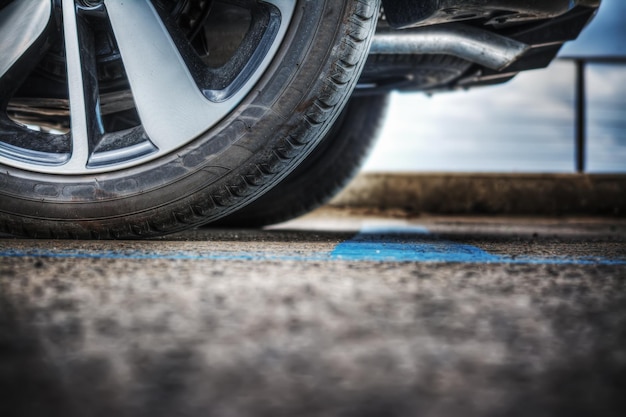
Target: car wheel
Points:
(324, 173)
(123, 119)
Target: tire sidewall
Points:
(329, 168)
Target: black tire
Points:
(256, 145)
(324, 173)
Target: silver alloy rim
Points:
(173, 107)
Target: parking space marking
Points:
(415, 244)
(407, 244)
(401, 243)
(159, 254)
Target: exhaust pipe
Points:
(472, 44)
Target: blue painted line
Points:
(152, 255)
(413, 244)
(407, 244)
(398, 244)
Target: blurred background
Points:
(525, 125)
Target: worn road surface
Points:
(332, 315)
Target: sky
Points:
(525, 125)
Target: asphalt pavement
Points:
(336, 314)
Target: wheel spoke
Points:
(21, 24)
(83, 87)
(171, 107)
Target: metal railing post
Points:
(581, 122)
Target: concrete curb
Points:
(456, 193)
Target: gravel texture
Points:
(167, 337)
